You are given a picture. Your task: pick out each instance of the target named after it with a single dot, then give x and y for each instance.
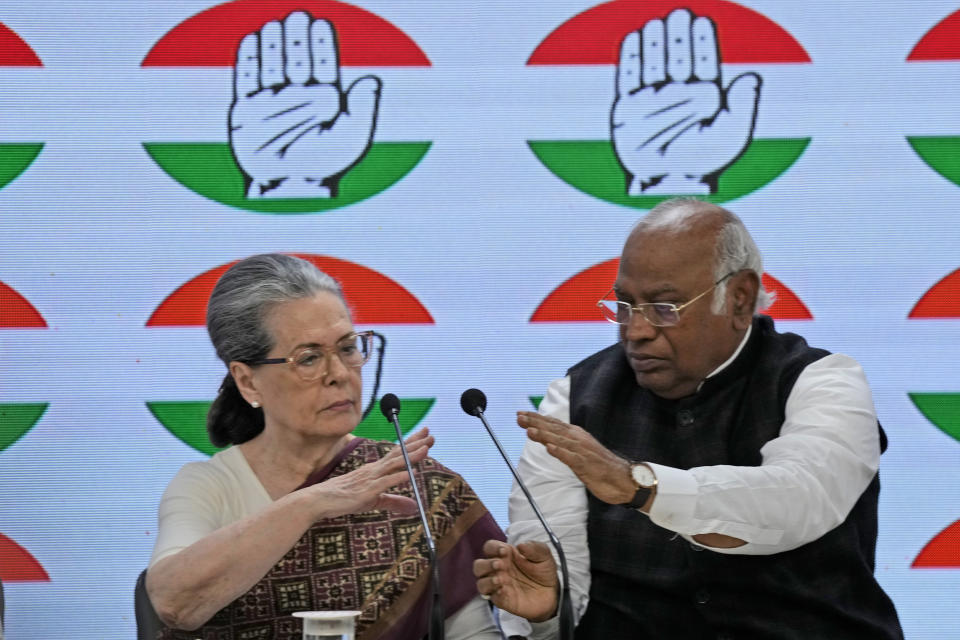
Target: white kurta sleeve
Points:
(809, 479)
(190, 509)
(474, 621)
(563, 501)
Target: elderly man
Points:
(708, 476)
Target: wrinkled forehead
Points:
(668, 254)
(306, 319)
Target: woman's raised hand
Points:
(367, 488)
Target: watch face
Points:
(642, 475)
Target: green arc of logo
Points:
(209, 170)
(591, 166)
(942, 409)
(187, 420)
(941, 153)
(18, 418)
(15, 158)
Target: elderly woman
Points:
(299, 514)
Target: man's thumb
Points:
(534, 551)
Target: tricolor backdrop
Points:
(477, 221)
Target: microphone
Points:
(474, 403)
(390, 407)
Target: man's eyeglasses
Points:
(311, 363)
(659, 314)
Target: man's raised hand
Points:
(605, 474)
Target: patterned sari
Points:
(375, 562)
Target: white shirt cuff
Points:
(676, 498)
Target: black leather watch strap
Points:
(639, 498)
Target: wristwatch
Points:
(646, 482)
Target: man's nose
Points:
(638, 329)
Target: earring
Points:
(255, 404)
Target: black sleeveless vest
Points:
(648, 582)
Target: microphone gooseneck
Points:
(474, 403)
(390, 407)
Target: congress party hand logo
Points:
(293, 130)
(17, 418)
(375, 302)
(675, 126)
(16, 156)
(300, 134)
(941, 43)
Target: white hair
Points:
(734, 250)
(237, 315)
(248, 291)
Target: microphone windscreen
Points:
(389, 404)
(473, 402)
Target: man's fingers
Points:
(527, 419)
(246, 78)
(653, 52)
(679, 49)
(482, 567)
(706, 51)
(488, 585)
(271, 54)
(323, 51)
(548, 430)
(550, 439)
(545, 436)
(296, 47)
(568, 443)
(568, 457)
(495, 549)
(628, 69)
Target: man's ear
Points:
(743, 298)
(243, 376)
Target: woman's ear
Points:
(243, 376)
